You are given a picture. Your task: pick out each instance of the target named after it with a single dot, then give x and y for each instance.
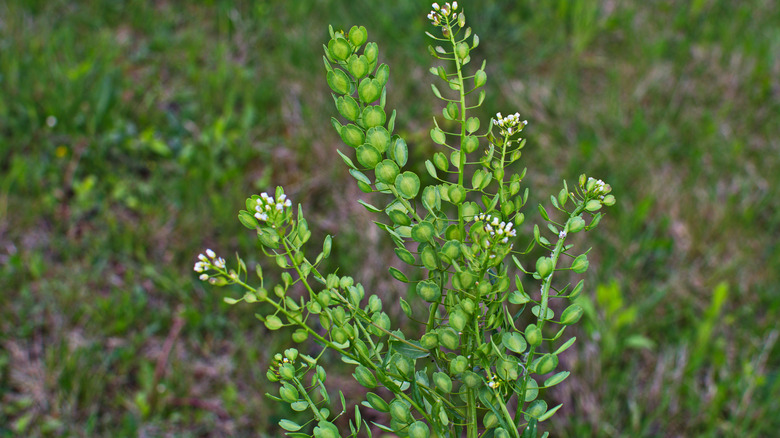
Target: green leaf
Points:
(289, 425)
(369, 207)
(347, 160)
(436, 91)
(550, 413)
(398, 275)
(360, 176)
(565, 346)
(556, 379)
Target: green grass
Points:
(168, 116)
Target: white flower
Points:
(261, 216)
(202, 258)
(204, 277)
(454, 5)
(435, 6)
(210, 253)
(220, 263)
(287, 203)
(562, 234)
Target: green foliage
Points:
(464, 239)
(673, 103)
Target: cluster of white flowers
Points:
(266, 206)
(497, 227)
(510, 124)
(206, 262)
(493, 383)
(440, 13)
(562, 234)
(600, 187)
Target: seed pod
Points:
(500, 432)
(458, 365)
(418, 429)
(378, 137)
(449, 338)
(405, 366)
(386, 171)
(429, 340)
(470, 143)
(440, 161)
(365, 377)
(480, 78)
(458, 320)
(358, 35)
(546, 363)
(358, 66)
(580, 264)
(576, 224)
(451, 250)
(369, 90)
(533, 335)
(423, 231)
(338, 81)
(571, 314)
(368, 156)
(377, 402)
(457, 194)
(443, 382)
(399, 410)
(467, 304)
(339, 49)
(352, 135)
(286, 371)
(326, 429)
(371, 51)
(514, 342)
(288, 393)
(272, 322)
(300, 335)
(374, 116)
(544, 266)
(471, 379)
(593, 205)
(490, 420)
(429, 291)
(609, 200)
(462, 50)
(407, 184)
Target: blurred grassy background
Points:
(132, 131)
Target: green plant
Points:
(472, 366)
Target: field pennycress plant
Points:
(471, 367)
